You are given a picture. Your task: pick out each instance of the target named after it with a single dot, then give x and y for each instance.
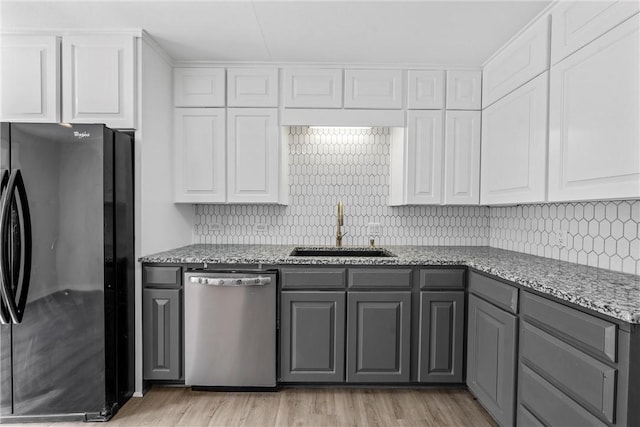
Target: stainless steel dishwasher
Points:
(230, 329)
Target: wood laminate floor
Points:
(174, 406)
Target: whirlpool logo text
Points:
(81, 135)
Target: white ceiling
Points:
(442, 33)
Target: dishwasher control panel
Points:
(230, 281)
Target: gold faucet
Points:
(339, 233)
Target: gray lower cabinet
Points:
(441, 350)
(491, 358)
(574, 367)
(312, 328)
(162, 332)
(378, 336)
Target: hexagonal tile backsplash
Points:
(328, 165)
(599, 234)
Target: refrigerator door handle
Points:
(4, 314)
(26, 242)
(15, 303)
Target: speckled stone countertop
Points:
(614, 294)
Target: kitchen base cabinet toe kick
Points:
(529, 359)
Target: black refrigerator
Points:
(66, 272)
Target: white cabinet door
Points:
(99, 80)
(312, 88)
(464, 90)
(373, 89)
(252, 87)
(199, 153)
(426, 90)
(198, 87)
(514, 146)
(462, 158)
(523, 59)
(424, 157)
(253, 153)
(594, 140)
(576, 23)
(30, 78)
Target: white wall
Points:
(160, 224)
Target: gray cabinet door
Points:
(378, 336)
(441, 337)
(162, 346)
(312, 336)
(491, 358)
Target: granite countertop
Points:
(614, 294)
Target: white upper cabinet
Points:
(30, 73)
(252, 87)
(576, 23)
(594, 140)
(199, 155)
(253, 155)
(514, 146)
(523, 59)
(198, 87)
(416, 160)
(464, 90)
(94, 83)
(99, 80)
(426, 90)
(312, 88)
(373, 89)
(462, 158)
(424, 153)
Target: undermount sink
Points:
(342, 252)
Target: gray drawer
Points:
(590, 333)
(587, 380)
(550, 405)
(379, 278)
(526, 419)
(313, 278)
(162, 277)
(499, 293)
(442, 278)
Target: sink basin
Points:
(342, 252)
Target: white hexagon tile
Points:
(329, 165)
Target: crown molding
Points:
(543, 14)
(153, 44)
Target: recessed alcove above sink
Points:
(341, 252)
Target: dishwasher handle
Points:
(230, 281)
